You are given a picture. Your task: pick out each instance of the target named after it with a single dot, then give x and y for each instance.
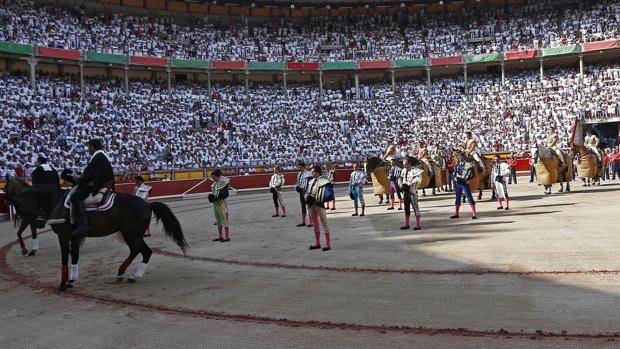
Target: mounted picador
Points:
(98, 174)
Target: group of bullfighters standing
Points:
(404, 183)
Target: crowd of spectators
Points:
(473, 30)
(150, 129)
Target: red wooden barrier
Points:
(228, 65)
(58, 53)
(375, 64)
(151, 61)
(520, 54)
(303, 66)
(600, 45)
(446, 60)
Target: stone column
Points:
(169, 72)
(209, 82)
(32, 67)
(321, 85)
(81, 80)
(247, 85)
(126, 76)
(466, 87)
(542, 70)
(503, 65)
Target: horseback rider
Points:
(591, 142)
(97, 175)
(44, 174)
(424, 157)
(553, 144)
(471, 149)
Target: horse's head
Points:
(415, 162)
(13, 187)
(29, 202)
(372, 163)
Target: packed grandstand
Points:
(229, 124)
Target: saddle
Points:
(102, 201)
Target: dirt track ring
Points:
(30, 282)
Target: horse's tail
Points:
(172, 227)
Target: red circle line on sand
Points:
(257, 319)
(275, 265)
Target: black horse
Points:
(130, 215)
(24, 223)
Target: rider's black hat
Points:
(95, 143)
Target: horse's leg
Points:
(133, 252)
(22, 226)
(146, 252)
(75, 256)
(480, 193)
(64, 253)
(423, 192)
(35, 241)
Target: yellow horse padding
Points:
(586, 167)
(380, 181)
(441, 177)
(547, 171)
(426, 177)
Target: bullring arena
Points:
(210, 115)
(543, 275)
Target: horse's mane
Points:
(20, 181)
(42, 192)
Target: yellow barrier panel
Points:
(192, 174)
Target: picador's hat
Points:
(95, 143)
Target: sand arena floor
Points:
(544, 275)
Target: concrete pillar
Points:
(542, 70)
(247, 85)
(82, 81)
(581, 66)
(428, 77)
(321, 85)
(358, 95)
(32, 67)
(503, 65)
(209, 83)
(393, 81)
(284, 82)
(126, 76)
(465, 78)
(169, 73)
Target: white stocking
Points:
(73, 272)
(139, 271)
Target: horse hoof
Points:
(24, 252)
(32, 253)
(131, 280)
(62, 287)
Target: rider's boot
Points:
(82, 227)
